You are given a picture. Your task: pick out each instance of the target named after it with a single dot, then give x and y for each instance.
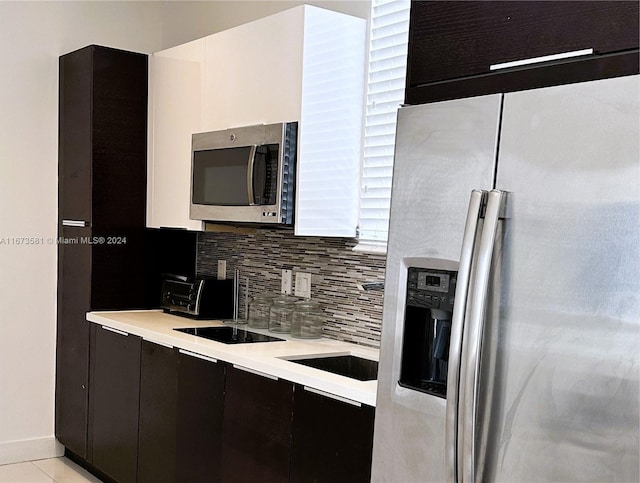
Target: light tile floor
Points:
(59, 470)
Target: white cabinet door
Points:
(254, 72)
(330, 141)
(175, 111)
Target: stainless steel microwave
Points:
(245, 174)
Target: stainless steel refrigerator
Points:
(511, 323)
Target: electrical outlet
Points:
(222, 269)
(303, 285)
(286, 282)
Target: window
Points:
(385, 93)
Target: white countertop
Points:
(267, 357)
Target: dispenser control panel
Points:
(427, 330)
(429, 288)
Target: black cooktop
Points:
(228, 335)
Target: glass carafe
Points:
(281, 314)
(308, 320)
(259, 310)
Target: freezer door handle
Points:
(476, 201)
(471, 343)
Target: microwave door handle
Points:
(250, 169)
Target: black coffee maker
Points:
(427, 330)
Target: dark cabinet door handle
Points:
(198, 356)
(163, 344)
(115, 331)
(544, 58)
(75, 223)
(332, 396)
(253, 371)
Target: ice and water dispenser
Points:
(427, 328)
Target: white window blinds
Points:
(385, 92)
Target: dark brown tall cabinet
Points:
(101, 213)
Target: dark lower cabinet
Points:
(157, 421)
(257, 428)
(72, 343)
(158, 414)
(200, 405)
(331, 441)
(114, 400)
(181, 410)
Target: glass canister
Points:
(259, 310)
(308, 320)
(281, 314)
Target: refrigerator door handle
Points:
(473, 336)
(476, 201)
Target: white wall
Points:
(191, 20)
(32, 37)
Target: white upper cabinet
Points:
(176, 83)
(254, 72)
(304, 64)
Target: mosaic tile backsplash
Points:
(352, 314)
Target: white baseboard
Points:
(29, 450)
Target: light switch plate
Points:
(286, 282)
(222, 269)
(303, 285)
